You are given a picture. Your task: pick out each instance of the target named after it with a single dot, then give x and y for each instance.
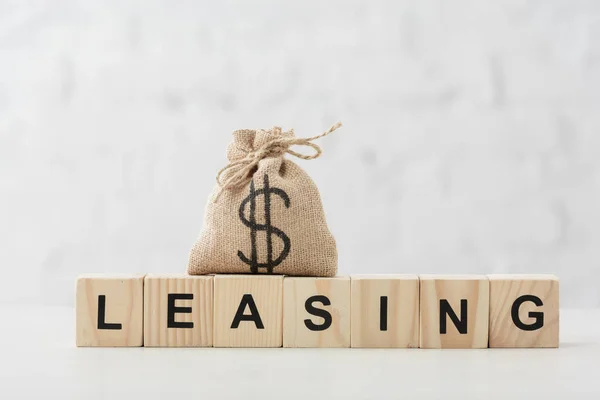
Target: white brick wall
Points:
(471, 138)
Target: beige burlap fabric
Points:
(265, 214)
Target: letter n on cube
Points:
(454, 311)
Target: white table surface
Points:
(38, 359)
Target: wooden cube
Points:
(316, 312)
(178, 310)
(109, 311)
(248, 310)
(454, 311)
(524, 311)
(385, 311)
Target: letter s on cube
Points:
(316, 312)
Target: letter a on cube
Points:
(454, 311)
(248, 310)
(524, 311)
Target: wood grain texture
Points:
(504, 291)
(267, 293)
(454, 288)
(157, 332)
(123, 300)
(296, 292)
(401, 328)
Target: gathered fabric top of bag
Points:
(252, 145)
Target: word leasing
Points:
(360, 311)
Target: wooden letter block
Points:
(454, 311)
(385, 311)
(316, 312)
(523, 311)
(178, 311)
(109, 311)
(248, 310)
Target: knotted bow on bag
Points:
(240, 171)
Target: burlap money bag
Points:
(265, 215)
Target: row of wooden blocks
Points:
(385, 311)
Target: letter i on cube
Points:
(385, 311)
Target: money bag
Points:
(265, 214)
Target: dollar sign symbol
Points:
(271, 230)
